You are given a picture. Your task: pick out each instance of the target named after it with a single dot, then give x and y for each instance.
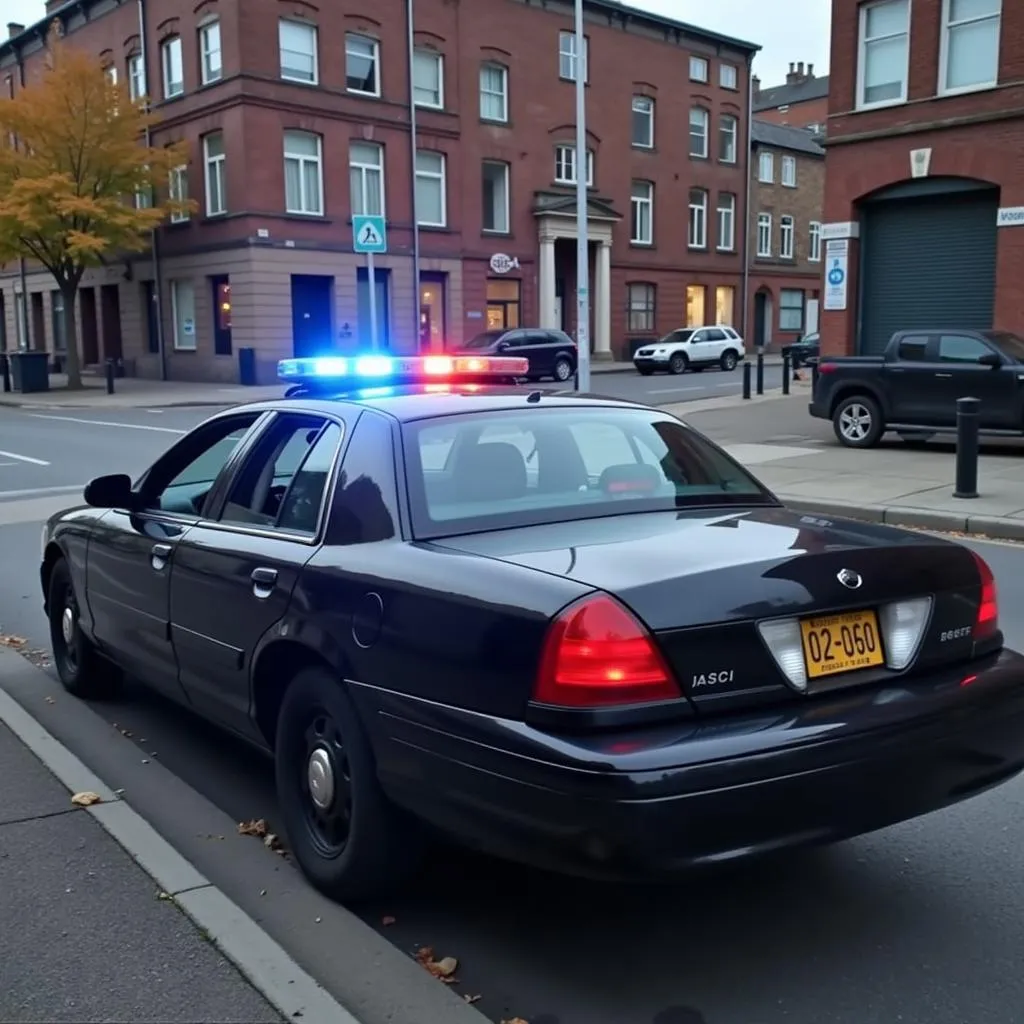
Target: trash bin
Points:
(247, 367)
(30, 371)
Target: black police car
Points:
(565, 629)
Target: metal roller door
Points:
(927, 262)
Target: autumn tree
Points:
(74, 154)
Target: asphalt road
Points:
(921, 923)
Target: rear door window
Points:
(913, 349)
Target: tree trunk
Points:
(72, 363)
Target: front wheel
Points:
(677, 363)
(857, 422)
(729, 361)
(349, 839)
(563, 369)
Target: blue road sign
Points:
(369, 234)
(836, 275)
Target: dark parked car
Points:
(913, 387)
(806, 351)
(550, 353)
(567, 630)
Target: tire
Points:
(563, 369)
(82, 670)
(678, 362)
(857, 422)
(728, 361)
(367, 847)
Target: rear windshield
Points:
(532, 466)
(483, 340)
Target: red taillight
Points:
(826, 367)
(987, 622)
(598, 655)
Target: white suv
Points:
(691, 348)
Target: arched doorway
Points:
(763, 313)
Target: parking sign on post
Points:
(370, 236)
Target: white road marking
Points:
(29, 492)
(107, 423)
(674, 391)
(24, 458)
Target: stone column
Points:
(603, 303)
(546, 283)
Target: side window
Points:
(912, 349)
(715, 335)
(699, 336)
(958, 348)
(365, 505)
(514, 339)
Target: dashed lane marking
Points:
(108, 423)
(24, 458)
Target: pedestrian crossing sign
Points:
(369, 234)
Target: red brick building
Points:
(924, 197)
(299, 116)
(801, 102)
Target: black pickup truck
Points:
(913, 386)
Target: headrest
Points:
(493, 471)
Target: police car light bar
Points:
(378, 368)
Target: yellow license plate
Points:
(841, 643)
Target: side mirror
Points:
(114, 491)
(503, 346)
(991, 359)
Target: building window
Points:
(766, 168)
(883, 53)
(432, 310)
(431, 199)
(565, 166)
(814, 243)
(210, 67)
(216, 178)
(136, 78)
(144, 198)
(970, 44)
(698, 69)
(642, 213)
(764, 234)
(362, 65)
(789, 171)
(494, 93)
(366, 178)
(111, 73)
(221, 287)
(178, 189)
(428, 79)
(727, 133)
(791, 310)
(170, 59)
(297, 41)
(727, 76)
(786, 237)
(725, 304)
(698, 132)
(60, 327)
(567, 57)
(698, 233)
(640, 298)
(726, 222)
(303, 173)
(183, 312)
(504, 304)
(643, 122)
(496, 196)
(696, 294)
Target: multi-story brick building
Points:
(924, 198)
(801, 102)
(299, 117)
(786, 202)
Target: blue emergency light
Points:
(367, 370)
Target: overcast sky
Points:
(788, 30)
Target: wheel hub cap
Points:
(320, 775)
(67, 625)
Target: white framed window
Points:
(215, 174)
(728, 77)
(431, 193)
(178, 190)
(969, 51)
(303, 173)
(496, 192)
(789, 171)
(642, 213)
(565, 166)
(428, 79)
(766, 168)
(764, 234)
(143, 198)
(726, 222)
(173, 73)
(791, 309)
(883, 57)
(698, 230)
(299, 47)
(698, 131)
(698, 69)
(643, 122)
(136, 76)
(814, 242)
(366, 178)
(494, 92)
(183, 312)
(210, 67)
(640, 305)
(567, 57)
(786, 232)
(728, 134)
(362, 64)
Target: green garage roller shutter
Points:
(927, 263)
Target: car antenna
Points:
(534, 396)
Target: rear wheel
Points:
(677, 363)
(729, 360)
(563, 369)
(857, 422)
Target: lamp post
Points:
(582, 241)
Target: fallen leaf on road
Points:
(50, 700)
(86, 799)
(443, 969)
(387, 922)
(256, 827)
(7, 640)
(515, 1020)
(163, 895)
(472, 999)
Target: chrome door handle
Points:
(943, 375)
(263, 581)
(159, 554)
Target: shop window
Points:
(504, 304)
(695, 298)
(725, 304)
(432, 311)
(221, 315)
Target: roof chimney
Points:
(810, 70)
(755, 83)
(800, 69)
(14, 29)
(794, 76)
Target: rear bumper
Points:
(818, 409)
(651, 803)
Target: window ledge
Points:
(494, 233)
(494, 123)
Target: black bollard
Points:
(5, 371)
(746, 380)
(760, 373)
(785, 371)
(967, 417)
(110, 376)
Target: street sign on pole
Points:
(582, 240)
(370, 236)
